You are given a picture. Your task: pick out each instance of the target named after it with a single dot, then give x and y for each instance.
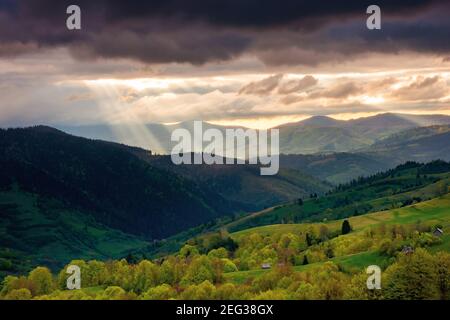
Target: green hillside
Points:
(401, 186)
(305, 261)
(70, 200)
(243, 185)
(409, 136)
(309, 140)
(396, 188)
(335, 168)
(107, 181)
(436, 211)
(421, 148)
(432, 212)
(40, 230)
(64, 197)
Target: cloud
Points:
(378, 85)
(338, 91)
(297, 85)
(293, 32)
(275, 85)
(292, 98)
(262, 87)
(422, 88)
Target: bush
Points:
(113, 293)
(42, 280)
(229, 266)
(161, 292)
(203, 291)
(19, 294)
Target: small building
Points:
(438, 232)
(408, 250)
(266, 266)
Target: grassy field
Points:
(354, 262)
(435, 211)
(384, 193)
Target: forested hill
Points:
(242, 184)
(106, 181)
(124, 190)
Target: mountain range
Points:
(319, 134)
(63, 196)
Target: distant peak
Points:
(44, 128)
(320, 121)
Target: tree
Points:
(132, 259)
(19, 294)
(188, 251)
(120, 274)
(413, 276)
(324, 233)
(346, 228)
(113, 293)
(329, 252)
(442, 263)
(202, 291)
(161, 292)
(218, 253)
(147, 275)
(308, 239)
(42, 279)
(200, 270)
(228, 265)
(272, 295)
(227, 291)
(305, 260)
(307, 291)
(172, 270)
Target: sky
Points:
(256, 63)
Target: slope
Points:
(105, 180)
(408, 183)
(432, 212)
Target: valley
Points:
(144, 228)
(301, 261)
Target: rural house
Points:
(438, 232)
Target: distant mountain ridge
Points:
(318, 134)
(421, 144)
(409, 135)
(379, 120)
(327, 135)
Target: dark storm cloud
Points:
(232, 13)
(164, 31)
